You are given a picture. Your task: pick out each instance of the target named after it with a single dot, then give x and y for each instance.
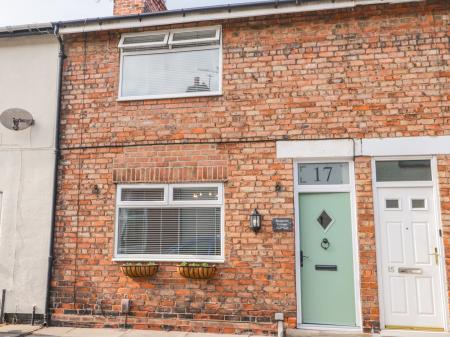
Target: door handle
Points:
(436, 256)
(302, 257)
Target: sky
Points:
(20, 12)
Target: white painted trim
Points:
(209, 14)
(351, 189)
(170, 204)
(442, 270)
(405, 146)
(181, 95)
(320, 149)
(348, 148)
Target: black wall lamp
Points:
(255, 221)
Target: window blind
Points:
(170, 231)
(169, 222)
(173, 63)
(170, 73)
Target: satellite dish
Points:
(16, 119)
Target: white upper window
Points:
(175, 63)
(182, 222)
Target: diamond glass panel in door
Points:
(324, 220)
(168, 73)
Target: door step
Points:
(323, 333)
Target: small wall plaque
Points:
(282, 225)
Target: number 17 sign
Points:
(323, 174)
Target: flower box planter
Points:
(139, 270)
(198, 272)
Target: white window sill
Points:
(155, 97)
(169, 259)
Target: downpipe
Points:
(61, 56)
(2, 310)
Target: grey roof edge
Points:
(183, 11)
(50, 28)
(42, 28)
(207, 13)
(23, 30)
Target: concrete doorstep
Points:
(322, 333)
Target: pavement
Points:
(36, 331)
(7, 330)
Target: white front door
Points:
(410, 273)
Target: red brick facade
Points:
(128, 7)
(375, 71)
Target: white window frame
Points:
(138, 204)
(170, 43)
(144, 44)
(210, 39)
(190, 202)
(171, 204)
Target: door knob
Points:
(325, 244)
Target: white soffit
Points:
(326, 148)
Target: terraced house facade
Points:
(301, 148)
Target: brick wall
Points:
(128, 7)
(255, 263)
(375, 71)
(444, 191)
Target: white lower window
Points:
(170, 222)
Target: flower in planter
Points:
(139, 269)
(196, 270)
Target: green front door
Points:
(327, 279)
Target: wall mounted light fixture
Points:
(255, 220)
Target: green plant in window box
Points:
(139, 269)
(196, 270)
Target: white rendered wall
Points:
(28, 80)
